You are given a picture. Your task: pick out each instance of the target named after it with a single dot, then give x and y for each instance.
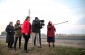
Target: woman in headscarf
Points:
(50, 33)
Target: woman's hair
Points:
(49, 23)
(27, 17)
(10, 22)
(17, 21)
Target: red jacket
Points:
(51, 31)
(26, 27)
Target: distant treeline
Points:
(60, 36)
(3, 33)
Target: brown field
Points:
(45, 50)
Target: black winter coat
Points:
(10, 34)
(36, 26)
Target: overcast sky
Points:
(55, 10)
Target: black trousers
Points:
(10, 45)
(16, 38)
(40, 38)
(26, 38)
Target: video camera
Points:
(38, 23)
(41, 22)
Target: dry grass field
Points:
(45, 50)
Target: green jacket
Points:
(17, 28)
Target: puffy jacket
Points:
(26, 27)
(36, 26)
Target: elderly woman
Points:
(10, 34)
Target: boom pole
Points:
(61, 23)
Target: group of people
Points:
(27, 30)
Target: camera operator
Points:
(36, 26)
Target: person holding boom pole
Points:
(51, 33)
